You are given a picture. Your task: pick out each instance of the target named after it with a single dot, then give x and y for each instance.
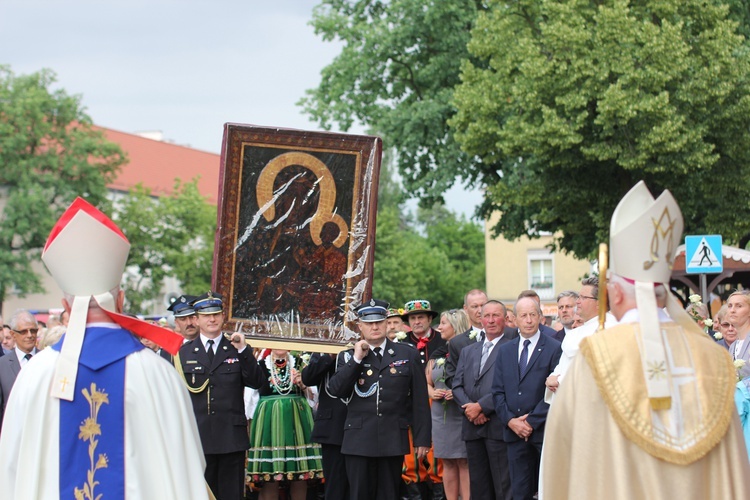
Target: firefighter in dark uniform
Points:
(328, 430)
(388, 391)
(216, 372)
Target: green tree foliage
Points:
(461, 240)
(49, 154)
(170, 236)
(439, 257)
(396, 74)
(574, 102)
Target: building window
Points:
(541, 273)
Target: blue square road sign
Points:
(703, 254)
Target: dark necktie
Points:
(524, 357)
(27, 357)
(378, 353)
(210, 351)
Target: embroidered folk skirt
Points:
(280, 447)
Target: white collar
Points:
(632, 316)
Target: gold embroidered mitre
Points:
(644, 234)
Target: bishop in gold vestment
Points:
(646, 411)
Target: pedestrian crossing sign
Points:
(703, 254)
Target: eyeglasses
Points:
(587, 297)
(725, 325)
(32, 331)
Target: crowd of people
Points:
(482, 401)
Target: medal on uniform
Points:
(393, 370)
(369, 372)
(361, 381)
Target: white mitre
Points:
(86, 254)
(644, 235)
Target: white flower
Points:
(708, 322)
(739, 363)
(473, 334)
(400, 336)
(718, 336)
(440, 361)
(305, 358)
(695, 299)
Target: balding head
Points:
(528, 316)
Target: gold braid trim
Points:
(614, 358)
(178, 366)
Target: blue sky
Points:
(180, 67)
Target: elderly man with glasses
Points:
(24, 328)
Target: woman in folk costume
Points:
(647, 410)
(98, 407)
(280, 446)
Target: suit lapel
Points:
(15, 363)
(387, 356)
(199, 351)
(535, 354)
(490, 359)
(222, 352)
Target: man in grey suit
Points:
(481, 429)
(24, 329)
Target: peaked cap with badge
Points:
(181, 307)
(372, 311)
(208, 303)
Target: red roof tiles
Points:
(156, 165)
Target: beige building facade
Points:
(513, 266)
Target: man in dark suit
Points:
(329, 425)
(388, 390)
(521, 368)
(546, 330)
(473, 302)
(24, 328)
(216, 372)
(482, 429)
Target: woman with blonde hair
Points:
(446, 415)
(738, 314)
